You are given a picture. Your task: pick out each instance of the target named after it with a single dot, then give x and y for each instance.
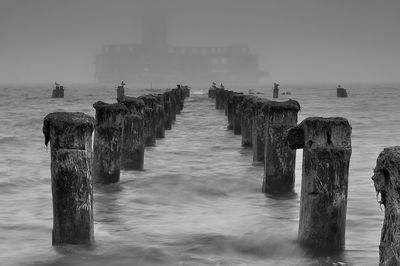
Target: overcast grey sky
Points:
(297, 40)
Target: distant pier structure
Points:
(155, 60)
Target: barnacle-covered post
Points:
(279, 159)
(70, 137)
(387, 183)
(326, 144)
(132, 157)
(108, 141)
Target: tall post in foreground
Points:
(387, 182)
(279, 159)
(326, 144)
(70, 137)
(108, 141)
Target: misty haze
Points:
(294, 41)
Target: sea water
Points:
(199, 199)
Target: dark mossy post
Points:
(245, 108)
(132, 157)
(211, 92)
(219, 98)
(186, 91)
(108, 141)
(228, 106)
(279, 159)
(258, 129)
(168, 110)
(276, 90)
(70, 137)
(387, 182)
(58, 92)
(150, 117)
(341, 92)
(226, 97)
(120, 93)
(160, 120)
(326, 144)
(237, 99)
(177, 95)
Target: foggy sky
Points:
(298, 40)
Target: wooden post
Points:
(108, 141)
(149, 120)
(245, 108)
(70, 137)
(237, 99)
(259, 127)
(168, 110)
(341, 92)
(387, 182)
(279, 159)
(211, 92)
(227, 103)
(160, 120)
(132, 157)
(120, 93)
(326, 144)
(276, 91)
(219, 98)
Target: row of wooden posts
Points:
(270, 128)
(121, 131)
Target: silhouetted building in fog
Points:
(155, 60)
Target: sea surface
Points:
(199, 200)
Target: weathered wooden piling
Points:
(237, 99)
(259, 127)
(108, 141)
(386, 180)
(276, 90)
(177, 95)
(227, 103)
(58, 92)
(120, 92)
(150, 116)
(160, 120)
(132, 157)
(279, 159)
(211, 92)
(246, 110)
(70, 137)
(169, 111)
(219, 98)
(326, 144)
(186, 91)
(341, 92)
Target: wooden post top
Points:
(67, 130)
(317, 132)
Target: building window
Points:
(214, 61)
(223, 60)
